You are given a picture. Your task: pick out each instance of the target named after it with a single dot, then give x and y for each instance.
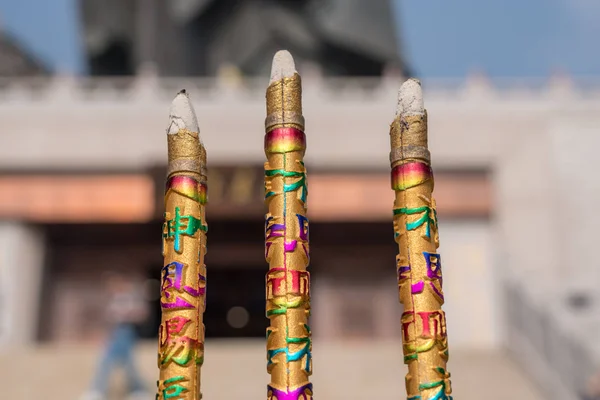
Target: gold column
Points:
(424, 338)
(183, 290)
(289, 359)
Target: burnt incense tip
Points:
(410, 98)
(283, 66)
(182, 114)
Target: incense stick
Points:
(425, 342)
(289, 346)
(183, 289)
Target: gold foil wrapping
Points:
(284, 104)
(186, 153)
(183, 289)
(424, 336)
(289, 346)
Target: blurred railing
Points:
(549, 351)
(162, 88)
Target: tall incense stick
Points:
(181, 339)
(289, 359)
(424, 337)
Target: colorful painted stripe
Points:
(292, 356)
(289, 187)
(409, 175)
(182, 225)
(302, 393)
(284, 304)
(285, 140)
(188, 187)
(442, 385)
(428, 218)
(173, 388)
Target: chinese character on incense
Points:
(425, 343)
(183, 277)
(289, 359)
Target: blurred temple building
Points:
(197, 37)
(83, 164)
(83, 194)
(16, 61)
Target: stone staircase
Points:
(556, 346)
(235, 369)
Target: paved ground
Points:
(236, 370)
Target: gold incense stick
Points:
(183, 290)
(424, 336)
(289, 359)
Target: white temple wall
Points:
(22, 251)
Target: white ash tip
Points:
(410, 98)
(182, 114)
(283, 66)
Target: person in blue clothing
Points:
(126, 308)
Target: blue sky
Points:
(51, 33)
(441, 38)
(504, 38)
